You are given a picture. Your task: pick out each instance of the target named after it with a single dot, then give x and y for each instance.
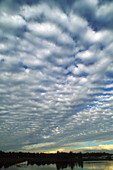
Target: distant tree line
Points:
(59, 155)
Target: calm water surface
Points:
(91, 165)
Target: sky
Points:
(56, 75)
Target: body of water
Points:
(88, 165)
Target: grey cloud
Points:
(105, 15)
(54, 74)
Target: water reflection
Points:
(88, 165)
(64, 165)
(98, 165)
(59, 165)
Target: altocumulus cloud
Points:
(56, 74)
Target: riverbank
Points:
(60, 159)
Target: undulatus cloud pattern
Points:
(56, 75)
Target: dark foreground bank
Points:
(62, 160)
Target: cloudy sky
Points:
(56, 75)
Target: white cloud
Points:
(55, 76)
(105, 11)
(44, 29)
(12, 21)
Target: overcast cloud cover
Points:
(56, 75)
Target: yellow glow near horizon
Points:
(55, 151)
(99, 147)
(43, 147)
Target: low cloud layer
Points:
(56, 73)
